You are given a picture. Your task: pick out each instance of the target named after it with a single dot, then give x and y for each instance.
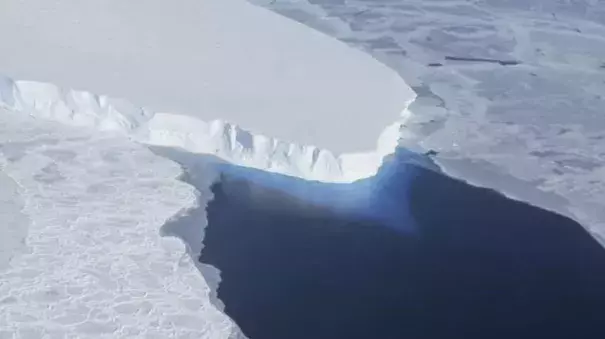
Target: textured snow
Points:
(96, 265)
(13, 223)
(510, 93)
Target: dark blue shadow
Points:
(408, 254)
(375, 199)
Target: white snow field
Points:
(511, 93)
(212, 59)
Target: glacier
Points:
(226, 60)
(225, 140)
(86, 167)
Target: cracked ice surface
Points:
(95, 264)
(13, 223)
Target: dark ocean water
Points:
(421, 256)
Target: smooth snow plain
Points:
(211, 59)
(511, 93)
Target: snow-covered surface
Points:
(13, 223)
(510, 93)
(212, 59)
(96, 265)
(89, 198)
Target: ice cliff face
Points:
(225, 140)
(72, 107)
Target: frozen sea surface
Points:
(96, 265)
(13, 223)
